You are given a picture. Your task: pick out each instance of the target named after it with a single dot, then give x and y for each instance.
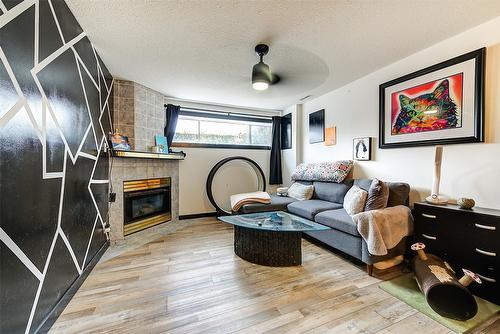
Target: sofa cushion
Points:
(355, 200)
(335, 171)
(331, 191)
(378, 195)
(301, 191)
(399, 193)
(338, 219)
(363, 183)
(309, 209)
(278, 203)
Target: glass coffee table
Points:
(270, 238)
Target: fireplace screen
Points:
(146, 203)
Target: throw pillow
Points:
(354, 200)
(301, 191)
(378, 195)
(335, 171)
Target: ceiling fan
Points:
(261, 74)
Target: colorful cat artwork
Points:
(433, 110)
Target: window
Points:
(217, 129)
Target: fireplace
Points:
(146, 203)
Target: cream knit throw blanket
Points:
(238, 200)
(384, 229)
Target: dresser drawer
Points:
(486, 267)
(429, 214)
(484, 234)
(433, 243)
(486, 290)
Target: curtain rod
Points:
(229, 113)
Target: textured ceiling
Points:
(203, 50)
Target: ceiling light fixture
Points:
(261, 74)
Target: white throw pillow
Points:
(300, 191)
(354, 200)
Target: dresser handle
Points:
(428, 216)
(487, 279)
(428, 237)
(486, 227)
(485, 252)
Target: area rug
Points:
(406, 289)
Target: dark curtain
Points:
(172, 113)
(275, 165)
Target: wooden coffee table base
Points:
(268, 248)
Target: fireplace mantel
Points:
(148, 155)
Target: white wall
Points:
(468, 170)
(193, 173)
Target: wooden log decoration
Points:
(444, 293)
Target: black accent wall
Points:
(54, 166)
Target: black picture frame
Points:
(478, 105)
(286, 131)
(317, 127)
(368, 147)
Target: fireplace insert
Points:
(146, 203)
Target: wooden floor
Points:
(191, 282)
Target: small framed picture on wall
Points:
(362, 148)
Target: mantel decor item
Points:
(362, 148)
(161, 144)
(119, 142)
(435, 197)
(440, 104)
(317, 127)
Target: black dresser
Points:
(465, 239)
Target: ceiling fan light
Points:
(261, 76)
(260, 85)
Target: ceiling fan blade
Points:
(275, 78)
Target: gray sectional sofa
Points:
(326, 208)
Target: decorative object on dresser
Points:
(362, 148)
(441, 104)
(466, 203)
(435, 197)
(464, 239)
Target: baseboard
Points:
(56, 311)
(198, 215)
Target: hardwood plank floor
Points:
(190, 281)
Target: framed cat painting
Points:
(441, 104)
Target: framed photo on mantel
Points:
(440, 104)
